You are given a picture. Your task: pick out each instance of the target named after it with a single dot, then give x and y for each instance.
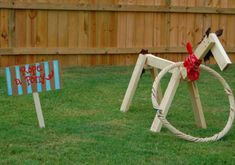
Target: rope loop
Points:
(177, 132)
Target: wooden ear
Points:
(144, 51)
(219, 32)
(208, 31)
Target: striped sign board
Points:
(28, 78)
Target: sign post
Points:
(38, 110)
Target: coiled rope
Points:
(180, 134)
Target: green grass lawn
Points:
(84, 124)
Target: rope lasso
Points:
(180, 134)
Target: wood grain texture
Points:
(52, 37)
(111, 32)
(107, 7)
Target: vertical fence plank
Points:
(130, 36)
(130, 26)
(42, 29)
(31, 24)
(53, 29)
(20, 28)
(83, 36)
(182, 24)
(5, 35)
(72, 35)
(182, 29)
(190, 23)
(198, 33)
(157, 26)
(1, 56)
(174, 27)
(140, 26)
(99, 34)
(173, 32)
(42, 33)
(214, 23)
(63, 34)
(31, 27)
(121, 31)
(91, 29)
(148, 23)
(223, 23)
(20, 33)
(4, 28)
(113, 31)
(166, 36)
(63, 29)
(231, 26)
(206, 17)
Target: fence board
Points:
(53, 29)
(230, 27)
(81, 32)
(148, 26)
(140, 27)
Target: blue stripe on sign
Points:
(39, 84)
(20, 90)
(9, 85)
(46, 67)
(56, 74)
(29, 86)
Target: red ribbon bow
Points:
(192, 64)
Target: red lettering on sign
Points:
(50, 76)
(39, 69)
(29, 75)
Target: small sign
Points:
(28, 78)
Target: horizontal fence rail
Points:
(92, 51)
(116, 8)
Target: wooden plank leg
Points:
(197, 107)
(38, 110)
(154, 73)
(167, 99)
(133, 83)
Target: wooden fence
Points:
(108, 32)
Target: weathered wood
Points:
(20, 33)
(148, 25)
(63, 29)
(139, 35)
(53, 29)
(11, 28)
(119, 8)
(65, 50)
(4, 28)
(158, 26)
(42, 29)
(89, 51)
